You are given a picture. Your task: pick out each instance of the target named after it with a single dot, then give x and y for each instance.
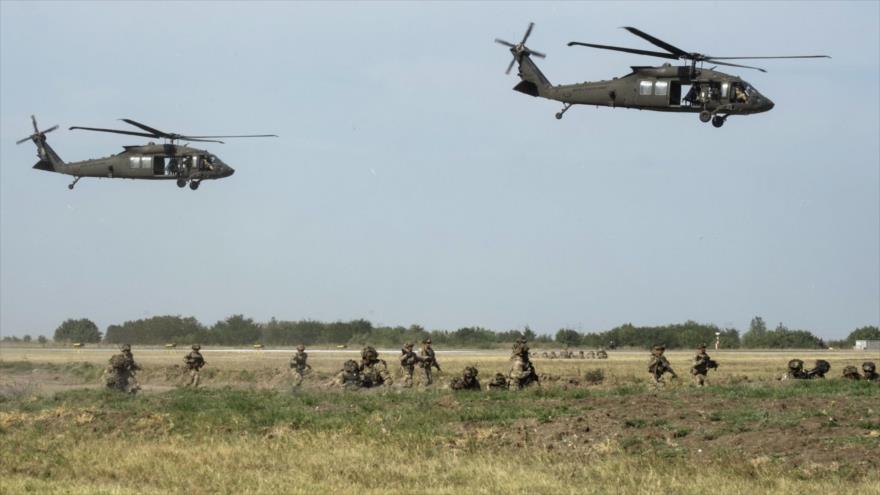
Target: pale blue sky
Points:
(411, 185)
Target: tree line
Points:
(238, 330)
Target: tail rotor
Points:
(38, 135)
(520, 49)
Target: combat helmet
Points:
(795, 364)
(471, 371)
(869, 367)
(196, 347)
(300, 348)
(350, 366)
(658, 348)
(125, 347)
(408, 345)
(369, 353)
(701, 347)
(427, 341)
(851, 372)
(821, 367)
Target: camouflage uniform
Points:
(429, 361)
(522, 371)
(194, 362)
(467, 381)
(795, 371)
(499, 382)
(819, 369)
(852, 373)
(350, 376)
(870, 371)
(299, 365)
(659, 365)
(408, 362)
(702, 364)
(374, 371)
(119, 375)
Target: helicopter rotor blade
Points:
(656, 41)
(50, 129)
(713, 61)
(114, 131)
(23, 140)
(505, 43)
(536, 54)
(510, 67)
(187, 138)
(147, 128)
(781, 56)
(190, 138)
(528, 33)
(34, 120)
(627, 50)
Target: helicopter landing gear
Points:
(75, 180)
(718, 121)
(194, 184)
(705, 116)
(181, 182)
(561, 112)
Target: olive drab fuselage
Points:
(666, 88)
(151, 161)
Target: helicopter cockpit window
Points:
(645, 87)
(661, 88)
(740, 93)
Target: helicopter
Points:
(714, 95)
(168, 161)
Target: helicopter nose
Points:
(229, 171)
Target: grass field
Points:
(245, 431)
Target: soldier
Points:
(350, 376)
(795, 371)
(428, 361)
(702, 364)
(499, 382)
(552, 354)
(194, 362)
(659, 365)
(544, 355)
(408, 361)
(580, 354)
(819, 369)
(522, 371)
(852, 373)
(374, 371)
(467, 381)
(601, 354)
(870, 371)
(299, 365)
(120, 374)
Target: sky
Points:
(409, 184)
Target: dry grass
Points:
(246, 433)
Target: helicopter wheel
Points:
(70, 186)
(718, 121)
(181, 182)
(559, 116)
(194, 185)
(705, 116)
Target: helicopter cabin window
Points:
(661, 88)
(141, 162)
(645, 88)
(725, 89)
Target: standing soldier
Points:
(522, 371)
(194, 362)
(870, 371)
(428, 361)
(408, 361)
(702, 364)
(299, 365)
(659, 365)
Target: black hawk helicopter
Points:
(151, 161)
(714, 95)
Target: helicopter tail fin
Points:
(49, 160)
(534, 82)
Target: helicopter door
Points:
(675, 93)
(158, 165)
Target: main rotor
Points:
(520, 49)
(171, 136)
(675, 53)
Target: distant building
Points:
(867, 345)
